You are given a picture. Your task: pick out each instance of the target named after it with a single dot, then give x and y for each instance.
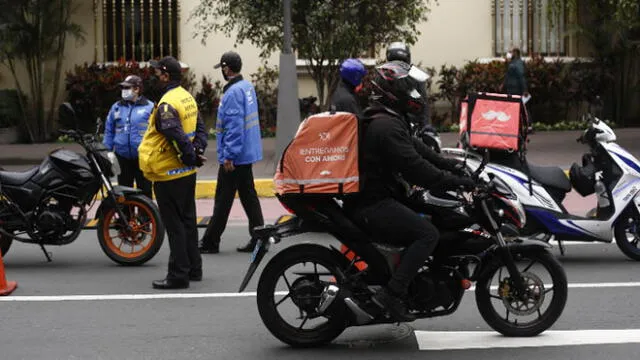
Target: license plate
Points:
(255, 251)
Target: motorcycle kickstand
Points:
(561, 246)
(46, 253)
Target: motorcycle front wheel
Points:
(140, 243)
(517, 315)
(296, 277)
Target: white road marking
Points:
(163, 296)
(458, 340)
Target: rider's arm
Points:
(433, 157)
(403, 156)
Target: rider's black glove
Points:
(465, 182)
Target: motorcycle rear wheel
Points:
(146, 222)
(537, 290)
(268, 307)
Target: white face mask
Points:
(127, 94)
(509, 56)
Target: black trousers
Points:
(130, 170)
(177, 204)
(396, 224)
(241, 180)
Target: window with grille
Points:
(140, 29)
(534, 26)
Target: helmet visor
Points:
(417, 74)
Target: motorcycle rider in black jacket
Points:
(390, 155)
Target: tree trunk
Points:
(64, 20)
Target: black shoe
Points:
(195, 277)
(209, 249)
(168, 284)
(393, 304)
(248, 247)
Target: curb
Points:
(206, 189)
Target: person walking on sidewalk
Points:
(126, 124)
(170, 153)
(239, 147)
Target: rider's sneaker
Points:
(393, 304)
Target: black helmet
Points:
(395, 85)
(398, 51)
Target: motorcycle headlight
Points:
(115, 165)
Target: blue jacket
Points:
(238, 125)
(126, 125)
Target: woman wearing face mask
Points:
(126, 124)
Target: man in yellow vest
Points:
(170, 153)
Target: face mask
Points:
(509, 56)
(224, 75)
(127, 94)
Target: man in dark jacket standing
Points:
(344, 97)
(515, 82)
(239, 147)
(390, 153)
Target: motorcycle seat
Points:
(552, 176)
(17, 178)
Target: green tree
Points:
(324, 31)
(33, 34)
(612, 28)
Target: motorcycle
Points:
(607, 169)
(330, 292)
(49, 203)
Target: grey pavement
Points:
(230, 327)
(557, 148)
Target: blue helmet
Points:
(352, 71)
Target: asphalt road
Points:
(221, 324)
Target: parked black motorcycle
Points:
(49, 203)
(521, 288)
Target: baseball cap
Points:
(230, 59)
(167, 64)
(132, 81)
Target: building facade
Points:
(456, 31)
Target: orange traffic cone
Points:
(6, 287)
(360, 264)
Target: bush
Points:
(265, 81)
(556, 87)
(93, 88)
(10, 111)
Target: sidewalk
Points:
(272, 209)
(553, 148)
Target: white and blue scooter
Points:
(607, 169)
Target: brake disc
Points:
(527, 304)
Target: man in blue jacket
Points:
(126, 124)
(239, 146)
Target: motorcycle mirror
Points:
(66, 112)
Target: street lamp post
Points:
(288, 108)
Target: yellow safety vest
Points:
(159, 159)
